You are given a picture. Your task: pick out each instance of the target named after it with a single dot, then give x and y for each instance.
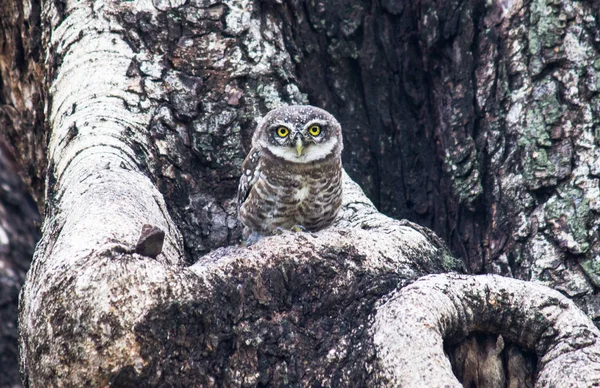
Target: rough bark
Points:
(558, 332)
(22, 137)
(478, 119)
(148, 108)
(95, 312)
(19, 223)
(22, 89)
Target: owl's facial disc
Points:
(299, 149)
(299, 134)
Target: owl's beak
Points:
(299, 146)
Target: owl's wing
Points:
(250, 174)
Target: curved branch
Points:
(409, 338)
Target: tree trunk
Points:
(19, 224)
(475, 120)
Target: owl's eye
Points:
(282, 131)
(314, 130)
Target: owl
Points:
(292, 176)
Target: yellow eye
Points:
(315, 130)
(282, 131)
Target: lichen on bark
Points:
(477, 119)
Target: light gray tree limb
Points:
(412, 324)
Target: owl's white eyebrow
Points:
(313, 122)
(283, 124)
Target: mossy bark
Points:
(475, 119)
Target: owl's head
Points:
(299, 134)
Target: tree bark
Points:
(19, 230)
(476, 119)
(139, 114)
(22, 139)
(459, 305)
(511, 101)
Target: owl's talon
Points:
(252, 239)
(298, 228)
(278, 231)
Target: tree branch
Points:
(410, 338)
(292, 309)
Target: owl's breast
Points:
(311, 196)
(285, 196)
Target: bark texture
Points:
(94, 312)
(559, 333)
(478, 119)
(19, 231)
(21, 150)
(447, 116)
(22, 91)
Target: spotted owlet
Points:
(292, 176)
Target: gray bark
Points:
(477, 119)
(22, 139)
(19, 223)
(458, 305)
(148, 108)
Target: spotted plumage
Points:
(292, 176)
